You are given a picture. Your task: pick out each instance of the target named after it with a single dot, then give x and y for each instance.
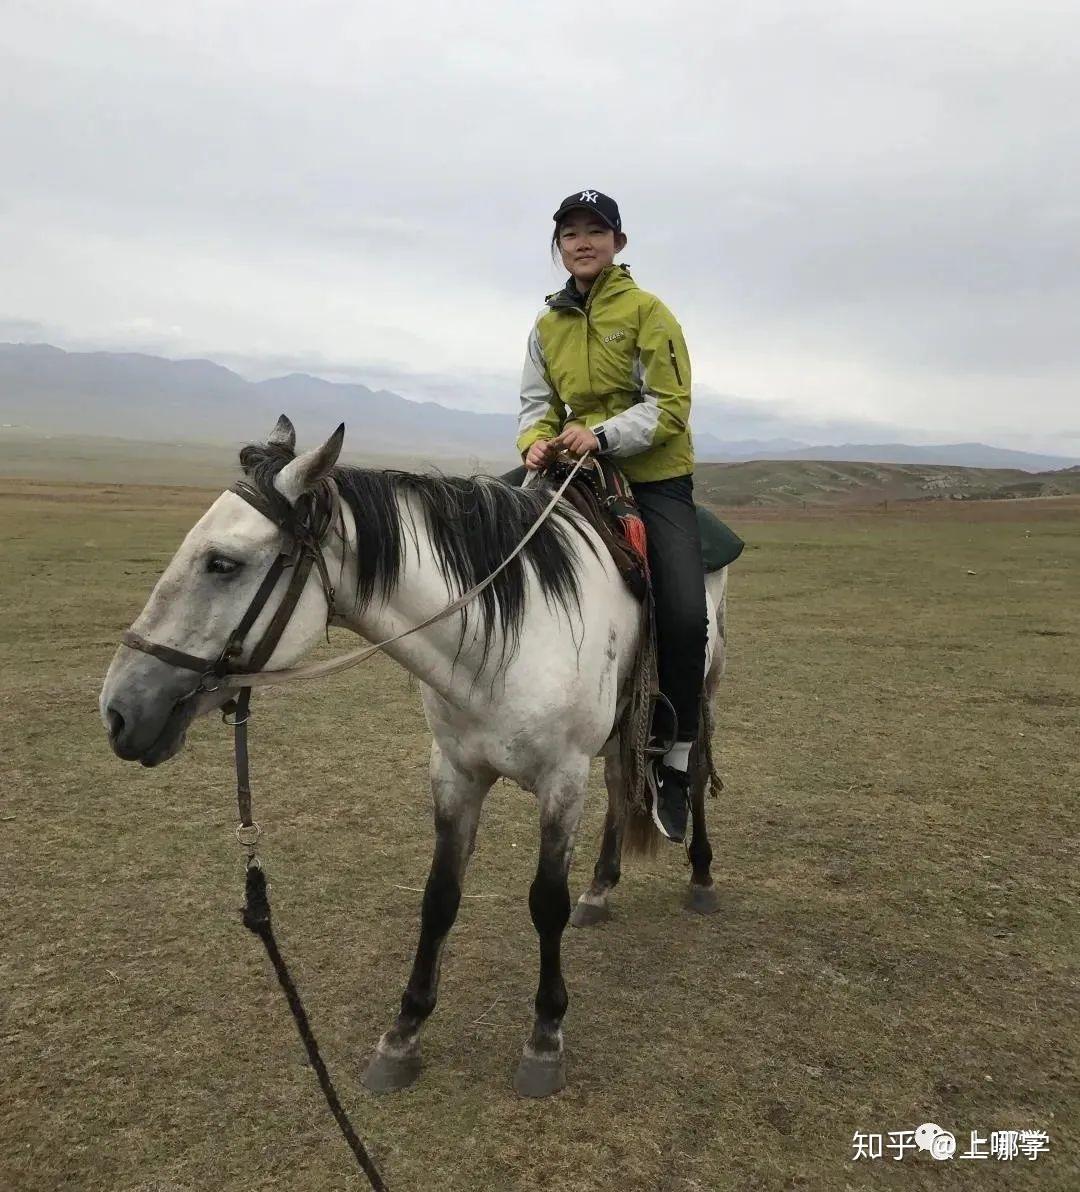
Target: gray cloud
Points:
(859, 214)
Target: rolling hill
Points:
(964, 455)
(797, 482)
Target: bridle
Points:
(305, 527)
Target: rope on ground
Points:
(257, 920)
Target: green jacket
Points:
(621, 367)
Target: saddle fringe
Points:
(639, 832)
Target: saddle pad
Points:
(720, 545)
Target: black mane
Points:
(474, 523)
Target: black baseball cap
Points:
(592, 200)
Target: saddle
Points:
(601, 494)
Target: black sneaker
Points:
(669, 800)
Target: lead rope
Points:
(257, 920)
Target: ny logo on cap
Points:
(588, 196)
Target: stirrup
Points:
(654, 748)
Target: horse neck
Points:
(435, 654)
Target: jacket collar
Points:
(613, 278)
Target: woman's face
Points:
(587, 245)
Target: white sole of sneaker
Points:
(656, 819)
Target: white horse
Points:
(527, 683)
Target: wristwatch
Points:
(601, 438)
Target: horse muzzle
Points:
(147, 706)
(133, 737)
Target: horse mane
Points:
(473, 522)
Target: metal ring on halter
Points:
(243, 831)
(226, 711)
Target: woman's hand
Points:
(577, 439)
(539, 455)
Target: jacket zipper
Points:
(566, 304)
(674, 361)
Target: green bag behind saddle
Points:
(720, 545)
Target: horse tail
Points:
(640, 837)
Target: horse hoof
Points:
(391, 1073)
(540, 1077)
(703, 900)
(588, 914)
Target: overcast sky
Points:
(860, 212)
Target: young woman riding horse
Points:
(607, 371)
(528, 681)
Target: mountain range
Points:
(47, 390)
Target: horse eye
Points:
(220, 565)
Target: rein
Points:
(304, 531)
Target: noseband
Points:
(304, 526)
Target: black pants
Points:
(678, 583)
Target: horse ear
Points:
(303, 473)
(283, 434)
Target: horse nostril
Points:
(116, 723)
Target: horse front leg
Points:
(457, 799)
(561, 796)
(592, 907)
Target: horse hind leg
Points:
(542, 1069)
(701, 894)
(458, 799)
(592, 907)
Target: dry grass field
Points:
(896, 853)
